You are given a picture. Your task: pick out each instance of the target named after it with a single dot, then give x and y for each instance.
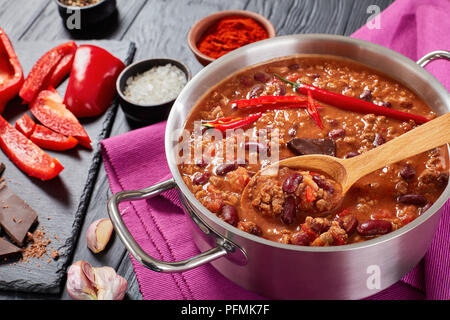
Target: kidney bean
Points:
(316, 76)
(425, 208)
(300, 238)
(246, 81)
(366, 95)
(415, 199)
(378, 140)
(336, 133)
(291, 183)
(349, 223)
(229, 215)
(255, 91)
(351, 154)
(201, 178)
(323, 184)
(442, 179)
(408, 172)
(261, 77)
(200, 163)
(294, 66)
(289, 210)
(374, 227)
(254, 229)
(224, 168)
(281, 90)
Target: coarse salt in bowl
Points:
(148, 88)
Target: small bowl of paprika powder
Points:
(222, 32)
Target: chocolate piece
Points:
(8, 249)
(16, 216)
(301, 146)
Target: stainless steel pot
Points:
(285, 271)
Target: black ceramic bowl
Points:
(140, 112)
(88, 16)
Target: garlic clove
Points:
(98, 234)
(79, 285)
(87, 283)
(110, 286)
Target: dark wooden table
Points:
(159, 29)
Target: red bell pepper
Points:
(26, 155)
(353, 104)
(25, 125)
(49, 109)
(49, 70)
(92, 81)
(51, 140)
(11, 74)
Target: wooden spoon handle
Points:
(430, 135)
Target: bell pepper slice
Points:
(51, 140)
(25, 125)
(49, 109)
(92, 81)
(11, 74)
(49, 70)
(26, 155)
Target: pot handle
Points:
(133, 247)
(439, 54)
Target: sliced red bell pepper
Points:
(228, 123)
(26, 155)
(92, 81)
(312, 110)
(51, 140)
(11, 74)
(49, 70)
(49, 109)
(353, 104)
(25, 125)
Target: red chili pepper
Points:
(49, 109)
(49, 70)
(25, 125)
(312, 110)
(92, 81)
(309, 194)
(228, 123)
(11, 74)
(352, 104)
(51, 140)
(26, 155)
(344, 212)
(269, 100)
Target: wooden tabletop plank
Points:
(50, 26)
(15, 20)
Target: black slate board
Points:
(62, 202)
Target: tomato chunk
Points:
(51, 140)
(27, 156)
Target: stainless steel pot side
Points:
(278, 270)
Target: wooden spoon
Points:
(346, 172)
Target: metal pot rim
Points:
(439, 88)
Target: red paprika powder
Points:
(230, 33)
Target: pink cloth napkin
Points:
(137, 159)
